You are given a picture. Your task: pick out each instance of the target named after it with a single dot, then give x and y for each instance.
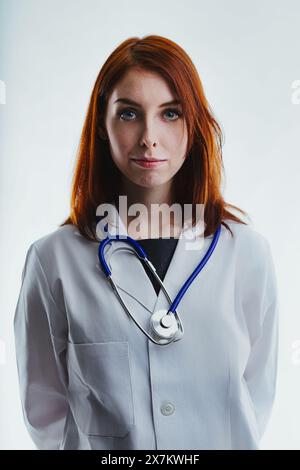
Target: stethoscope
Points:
(165, 328)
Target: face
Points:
(140, 125)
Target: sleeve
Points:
(41, 380)
(260, 305)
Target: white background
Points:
(247, 54)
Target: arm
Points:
(260, 305)
(42, 384)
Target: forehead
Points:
(148, 88)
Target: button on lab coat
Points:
(90, 379)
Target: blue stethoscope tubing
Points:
(143, 257)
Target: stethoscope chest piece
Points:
(164, 326)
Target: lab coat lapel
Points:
(127, 269)
(131, 277)
(129, 274)
(188, 254)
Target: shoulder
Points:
(50, 248)
(245, 239)
(58, 237)
(253, 258)
(249, 250)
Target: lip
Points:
(148, 163)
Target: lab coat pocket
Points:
(100, 388)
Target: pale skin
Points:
(149, 130)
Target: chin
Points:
(150, 183)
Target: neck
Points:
(148, 196)
(163, 194)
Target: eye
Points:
(174, 111)
(127, 111)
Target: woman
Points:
(89, 377)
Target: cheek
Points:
(125, 137)
(178, 154)
(121, 138)
(120, 148)
(177, 140)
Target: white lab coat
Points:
(90, 379)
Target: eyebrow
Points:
(128, 101)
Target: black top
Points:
(160, 252)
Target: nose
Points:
(149, 135)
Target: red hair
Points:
(96, 178)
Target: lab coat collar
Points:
(128, 271)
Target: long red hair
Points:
(96, 178)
